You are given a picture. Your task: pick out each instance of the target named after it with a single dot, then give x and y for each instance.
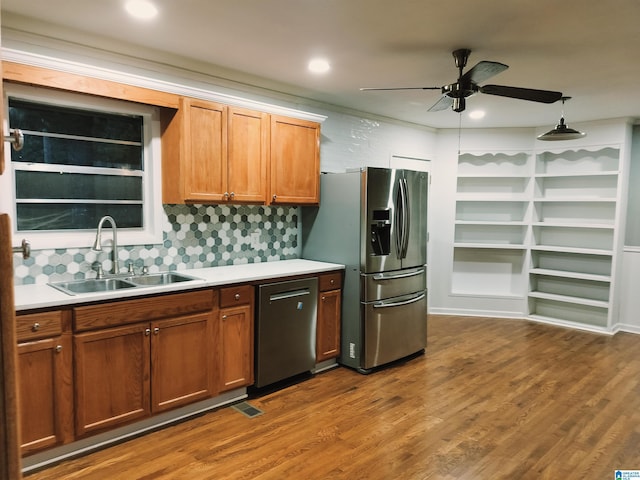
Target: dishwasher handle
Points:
(290, 294)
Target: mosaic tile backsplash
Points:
(194, 236)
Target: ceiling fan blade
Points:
(442, 104)
(542, 96)
(367, 89)
(483, 71)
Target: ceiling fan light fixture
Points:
(562, 131)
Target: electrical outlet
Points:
(255, 240)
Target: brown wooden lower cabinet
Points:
(112, 382)
(45, 393)
(329, 315)
(128, 373)
(182, 361)
(45, 383)
(235, 326)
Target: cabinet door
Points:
(247, 141)
(235, 347)
(182, 361)
(205, 155)
(295, 161)
(111, 377)
(328, 329)
(45, 393)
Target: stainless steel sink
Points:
(160, 279)
(93, 285)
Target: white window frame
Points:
(151, 233)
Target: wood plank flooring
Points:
(490, 399)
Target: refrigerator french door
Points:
(374, 222)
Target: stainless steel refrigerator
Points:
(374, 221)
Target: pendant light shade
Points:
(562, 130)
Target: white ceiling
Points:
(586, 49)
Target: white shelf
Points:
(595, 325)
(583, 251)
(491, 197)
(569, 299)
(493, 246)
(576, 199)
(490, 223)
(495, 175)
(577, 174)
(604, 226)
(565, 274)
(586, 212)
(572, 161)
(572, 263)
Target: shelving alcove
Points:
(576, 232)
(492, 211)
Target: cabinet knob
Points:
(237, 296)
(232, 195)
(58, 348)
(35, 327)
(274, 197)
(323, 298)
(224, 317)
(156, 331)
(147, 332)
(225, 195)
(332, 281)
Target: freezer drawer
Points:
(394, 328)
(285, 330)
(375, 286)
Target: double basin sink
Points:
(95, 285)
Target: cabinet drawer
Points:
(239, 295)
(39, 325)
(330, 281)
(111, 314)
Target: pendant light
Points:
(562, 130)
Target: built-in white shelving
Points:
(574, 221)
(542, 226)
(493, 198)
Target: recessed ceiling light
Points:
(319, 65)
(142, 9)
(477, 114)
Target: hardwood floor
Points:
(490, 399)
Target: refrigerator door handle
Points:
(399, 220)
(398, 304)
(393, 276)
(406, 218)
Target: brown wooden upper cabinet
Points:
(295, 161)
(214, 153)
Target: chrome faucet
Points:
(115, 269)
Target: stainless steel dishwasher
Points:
(285, 330)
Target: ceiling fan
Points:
(454, 95)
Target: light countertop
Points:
(28, 297)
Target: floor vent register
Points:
(247, 409)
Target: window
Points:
(83, 158)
